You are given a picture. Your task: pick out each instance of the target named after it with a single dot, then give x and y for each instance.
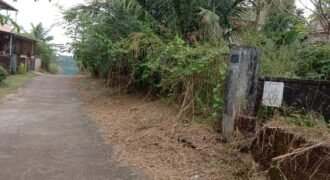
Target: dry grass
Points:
(316, 133)
(144, 135)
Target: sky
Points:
(45, 12)
(302, 4)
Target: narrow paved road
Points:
(45, 135)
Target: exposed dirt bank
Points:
(290, 152)
(145, 135)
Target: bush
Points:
(53, 68)
(276, 60)
(313, 61)
(21, 69)
(192, 76)
(3, 73)
(45, 52)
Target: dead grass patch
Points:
(316, 133)
(145, 136)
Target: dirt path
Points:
(45, 134)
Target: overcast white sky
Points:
(45, 12)
(303, 4)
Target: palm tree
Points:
(44, 49)
(187, 16)
(40, 33)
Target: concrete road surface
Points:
(45, 135)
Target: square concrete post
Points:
(241, 87)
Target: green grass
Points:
(14, 82)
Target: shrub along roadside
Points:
(192, 76)
(3, 74)
(21, 69)
(313, 61)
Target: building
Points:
(6, 6)
(320, 31)
(15, 48)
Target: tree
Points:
(40, 33)
(44, 49)
(320, 13)
(282, 22)
(184, 17)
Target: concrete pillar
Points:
(241, 87)
(11, 44)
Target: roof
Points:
(6, 6)
(26, 37)
(7, 29)
(320, 28)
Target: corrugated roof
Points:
(7, 29)
(26, 37)
(6, 6)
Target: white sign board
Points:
(273, 94)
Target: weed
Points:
(22, 69)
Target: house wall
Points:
(23, 51)
(319, 37)
(5, 62)
(318, 33)
(24, 47)
(4, 43)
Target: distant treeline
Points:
(68, 65)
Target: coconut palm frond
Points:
(39, 32)
(210, 23)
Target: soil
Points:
(146, 135)
(286, 153)
(317, 134)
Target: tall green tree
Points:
(184, 17)
(284, 21)
(41, 33)
(321, 13)
(44, 48)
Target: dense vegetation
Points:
(179, 49)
